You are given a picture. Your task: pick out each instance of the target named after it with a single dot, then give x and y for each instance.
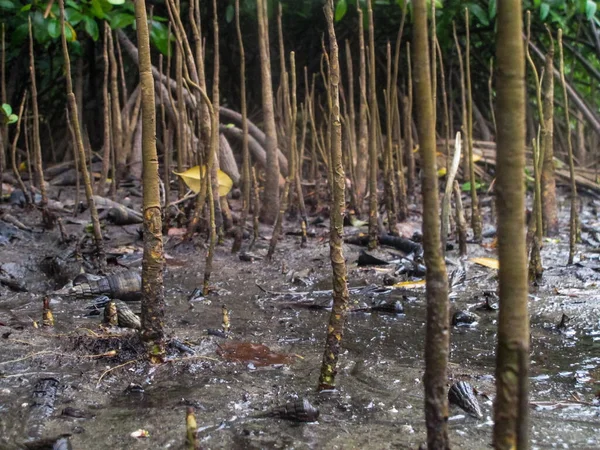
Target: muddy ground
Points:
(379, 400)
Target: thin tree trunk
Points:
(362, 153)
(573, 219)
(37, 147)
(79, 144)
(152, 264)
(437, 339)
(245, 152)
(340, 287)
(511, 422)
(373, 163)
(270, 204)
(549, 206)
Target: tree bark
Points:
(437, 339)
(337, 319)
(511, 422)
(270, 203)
(152, 264)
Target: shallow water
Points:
(379, 398)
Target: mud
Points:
(378, 403)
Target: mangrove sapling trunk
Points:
(491, 95)
(408, 136)
(270, 205)
(166, 135)
(255, 209)
(362, 152)
(445, 105)
(573, 219)
(13, 150)
(390, 195)
(397, 125)
(463, 101)
(438, 324)
(511, 425)
(351, 128)
(373, 162)
(100, 188)
(549, 205)
(152, 264)
(118, 135)
(37, 147)
(475, 213)
(461, 223)
(245, 152)
(338, 203)
(79, 144)
(448, 191)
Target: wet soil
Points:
(378, 403)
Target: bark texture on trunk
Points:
(270, 203)
(335, 329)
(437, 339)
(511, 422)
(152, 264)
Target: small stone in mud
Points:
(464, 319)
(389, 280)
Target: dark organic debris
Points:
(462, 395)
(298, 411)
(61, 442)
(464, 319)
(366, 259)
(490, 302)
(399, 243)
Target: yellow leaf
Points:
(441, 172)
(410, 284)
(193, 178)
(23, 167)
(477, 158)
(490, 263)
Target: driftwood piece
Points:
(227, 160)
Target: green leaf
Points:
(478, 12)
(97, 9)
(340, 10)
(492, 9)
(53, 28)
(467, 186)
(12, 118)
(26, 7)
(121, 20)
(73, 16)
(116, 2)
(7, 109)
(590, 9)
(159, 34)
(229, 12)
(73, 4)
(544, 10)
(91, 27)
(7, 4)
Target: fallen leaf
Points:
(193, 178)
(410, 284)
(490, 263)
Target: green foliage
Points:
(6, 114)
(83, 19)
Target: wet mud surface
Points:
(104, 391)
